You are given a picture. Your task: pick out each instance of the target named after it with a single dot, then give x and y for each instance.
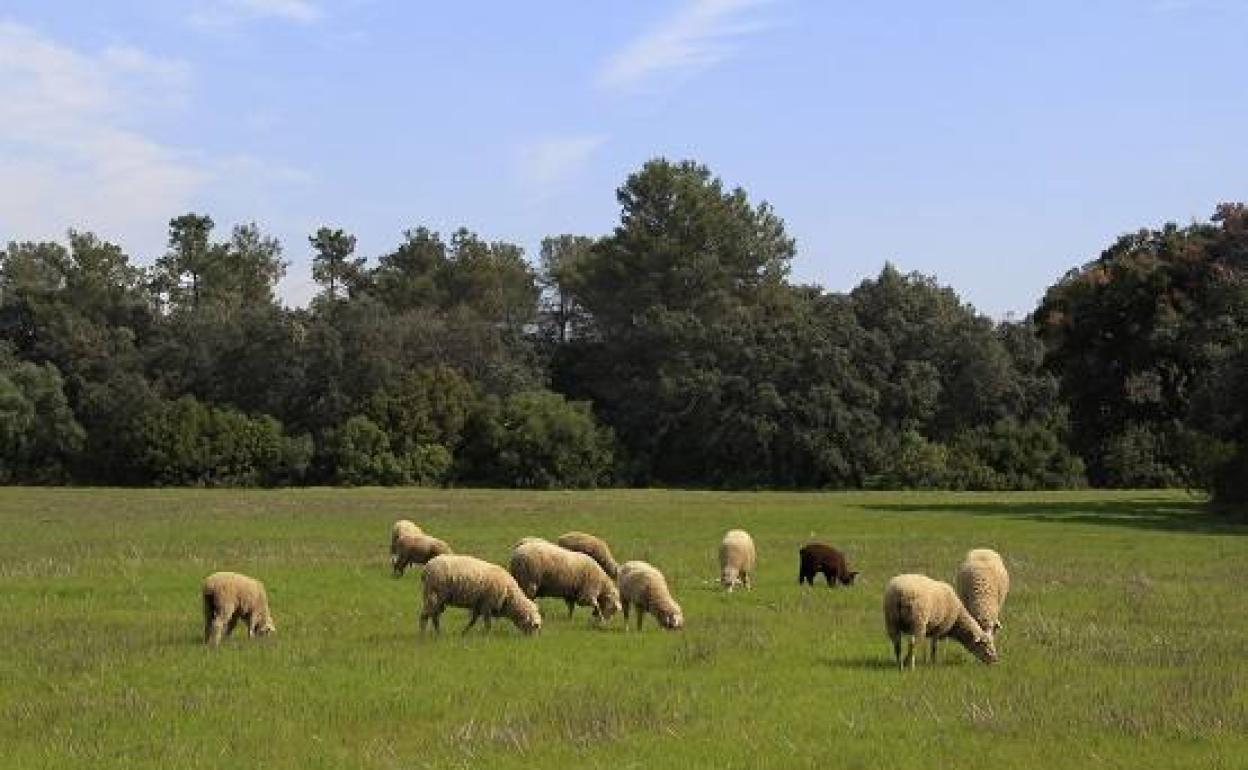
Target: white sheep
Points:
(644, 586)
(230, 597)
(486, 589)
(737, 559)
(983, 583)
(545, 569)
(399, 529)
(593, 546)
(919, 607)
(417, 548)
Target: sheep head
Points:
(982, 647)
(673, 620)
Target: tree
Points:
(491, 279)
(39, 437)
(683, 244)
(332, 265)
(191, 264)
(1134, 333)
(562, 260)
(408, 277)
(254, 266)
(686, 258)
(536, 440)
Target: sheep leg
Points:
(431, 610)
(827, 575)
(209, 612)
(489, 618)
(932, 657)
(229, 627)
(748, 579)
(398, 565)
(897, 649)
(571, 607)
(911, 642)
(624, 606)
(476, 613)
(215, 628)
(640, 614)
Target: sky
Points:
(992, 145)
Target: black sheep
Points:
(819, 557)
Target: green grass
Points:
(1125, 640)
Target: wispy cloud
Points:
(74, 151)
(225, 13)
(548, 163)
(698, 36)
(73, 157)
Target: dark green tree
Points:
(332, 264)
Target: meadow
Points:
(1125, 641)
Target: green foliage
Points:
(39, 437)
(1013, 455)
(332, 265)
(536, 440)
(361, 454)
(1133, 334)
(674, 351)
(186, 443)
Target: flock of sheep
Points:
(580, 569)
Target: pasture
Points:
(1125, 641)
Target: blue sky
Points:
(994, 145)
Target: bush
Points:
(185, 442)
(1013, 455)
(536, 440)
(39, 436)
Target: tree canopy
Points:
(672, 350)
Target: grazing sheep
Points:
(815, 558)
(982, 585)
(416, 549)
(737, 559)
(544, 569)
(920, 607)
(399, 529)
(644, 586)
(486, 589)
(595, 547)
(230, 597)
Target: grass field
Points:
(1125, 640)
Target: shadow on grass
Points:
(1164, 515)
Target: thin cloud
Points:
(549, 163)
(76, 153)
(76, 160)
(226, 13)
(700, 35)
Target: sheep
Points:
(230, 597)
(644, 586)
(595, 547)
(920, 607)
(398, 529)
(544, 569)
(416, 549)
(486, 589)
(815, 558)
(983, 582)
(737, 559)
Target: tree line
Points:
(673, 351)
